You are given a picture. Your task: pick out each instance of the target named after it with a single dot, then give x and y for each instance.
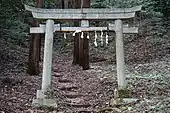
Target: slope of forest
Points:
(147, 66)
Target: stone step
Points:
(64, 80)
(70, 88)
(80, 110)
(67, 87)
(61, 84)
(75, 105)
(84, 111)
(75, 100)
(55, 74)
(72, 95)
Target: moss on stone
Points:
(124, 93)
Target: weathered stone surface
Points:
(44, 102)
(50, 102)
(130, 100)
(85, 10)
(40, 94)
(79, 105)
(48, 51)
(126, 30)
(86, 13)
(124, 93)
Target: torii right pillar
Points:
(122, 91)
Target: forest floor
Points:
(88, 91)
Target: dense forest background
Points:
(15, 21)
(146, 56)
(149, 44)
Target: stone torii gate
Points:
(84, 14)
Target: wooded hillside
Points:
(147, 60)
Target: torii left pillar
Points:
(120, 60)
(47, 64)
(42, 95)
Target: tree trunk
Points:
(85, 63)
(81, 46)
(168, 22)
(81, 50)
(35, 47)
(76, 46)
(77, 4)
(62, 4)
(39, 4)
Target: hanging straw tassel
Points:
(77, 31)
(82, 35)
(88, 37)
(101, 38)
(74, 34)
(65, 36)
(95, 39)
(107, 39)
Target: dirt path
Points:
(85, 91)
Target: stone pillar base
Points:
(42, 101)
(124, 93)
(123, 101)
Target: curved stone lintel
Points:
(85, 10)
(79, 16)
(84, 14)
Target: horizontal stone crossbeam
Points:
(84, 10)
(58, 28)
(126, 29)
